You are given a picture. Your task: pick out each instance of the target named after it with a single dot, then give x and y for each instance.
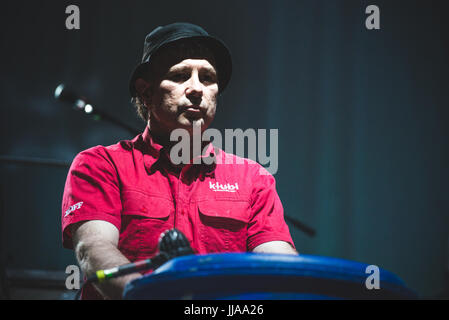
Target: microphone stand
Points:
(35, 161)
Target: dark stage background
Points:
(362, 118)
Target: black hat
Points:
(161, 36)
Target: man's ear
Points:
(142, 87)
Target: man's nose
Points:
(194, 87)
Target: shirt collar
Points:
(159, 155)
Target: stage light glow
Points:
(88, 108)
(59, 90)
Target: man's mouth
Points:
(192, 109)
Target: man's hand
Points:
(95, 244)
(275, 247)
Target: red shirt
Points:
(227, 206)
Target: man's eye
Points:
(209, 78)
(178, 77)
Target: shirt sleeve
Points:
(267, 214)
(91, 192)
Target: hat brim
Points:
(221, 53)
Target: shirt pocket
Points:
(144, 218)
(223, 225)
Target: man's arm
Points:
(95, 244)
(275, 247)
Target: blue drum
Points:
(252, 276)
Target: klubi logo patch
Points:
(76, 206)
(223, 187)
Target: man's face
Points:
(184, 96)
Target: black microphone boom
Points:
(172, 243)
(80, 103)
(301, 226)
(156, 262)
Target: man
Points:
(119, 199)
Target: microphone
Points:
(172, 243)
(65, 94)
